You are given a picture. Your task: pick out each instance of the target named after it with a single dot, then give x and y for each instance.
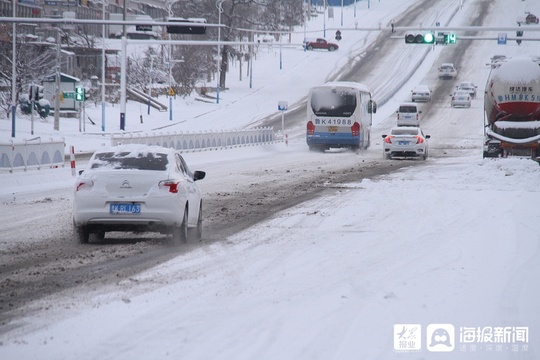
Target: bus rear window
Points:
(333, 102)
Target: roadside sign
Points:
(69, 94)
(282, 105)
(171, 91)
(501, 39)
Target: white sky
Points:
(452, 242)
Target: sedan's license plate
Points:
(403, 143)
(125, 209)
(332, 129)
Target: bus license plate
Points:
(332, 129)
(125, 209)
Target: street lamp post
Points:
(104, 4)
(151, 81)
(58, 71)
(324, 19)
(14, 72)
(341, 12)
(171, 91)
(220, 10)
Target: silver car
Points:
(447, 71)
(406, 142)
(137, 188)
(421, 93)
(468, 86)
(461, 98)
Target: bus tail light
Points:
(310, 128)
(355, 129)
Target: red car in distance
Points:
(321, 44)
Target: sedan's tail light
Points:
(310, 128)
(388, 139)
(355, 129)
(84, 185)
(419, 139)
(169, 185)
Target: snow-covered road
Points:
(451, 241)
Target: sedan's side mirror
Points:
(80, 172)
(428, 136)
(384, 136)
(198, 175)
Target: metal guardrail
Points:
(36, 153)
(31, 154)
(198, 140)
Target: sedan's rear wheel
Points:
(196, 233)
(180, 233)
(82, 234)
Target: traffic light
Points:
(35, 92)
(450, 38)
(427, 38)
(79, 94)
(186, 26)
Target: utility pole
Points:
(14, 72)
(57, 95)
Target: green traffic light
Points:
(79, 94)
(429, 38)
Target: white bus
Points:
(339, 114)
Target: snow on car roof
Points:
(135, 148)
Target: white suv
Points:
(408, 114)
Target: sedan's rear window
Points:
(131, 160)
(404, 132)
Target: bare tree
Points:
(238, 17)
(34, 62)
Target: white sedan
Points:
(461, 98)
(406, 142)
(468, 86)
(137, 188)
(421, 93)
(447, 71)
